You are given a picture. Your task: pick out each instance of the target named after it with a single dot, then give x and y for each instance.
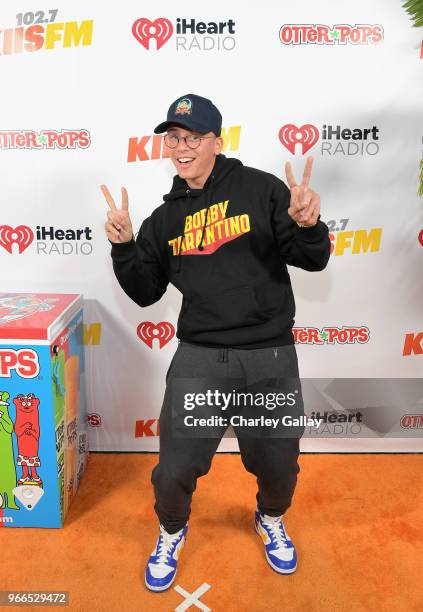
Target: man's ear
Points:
(218, 145)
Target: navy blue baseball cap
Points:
(194, 113)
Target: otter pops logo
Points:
(24, 362)
(340, 34)
(331, 335)
(46, 139)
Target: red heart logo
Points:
(144, 30)
(307, 135)
(148, 331)
(22, 235)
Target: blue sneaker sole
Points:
(158, 589)
(272, 565)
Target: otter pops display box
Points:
(43, 428)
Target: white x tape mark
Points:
(191, 599)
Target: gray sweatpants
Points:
(182, 460)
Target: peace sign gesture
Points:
(118, 225)
(304, 208)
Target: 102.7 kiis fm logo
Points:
(48, 240)
(38, 30)
(353, 241)
(191, 35)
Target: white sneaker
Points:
(161, 565)
(279, 548)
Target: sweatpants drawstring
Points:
(222, 354)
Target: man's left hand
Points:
(304, 208)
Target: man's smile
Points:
(185, 162)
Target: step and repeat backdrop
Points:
(84, 84)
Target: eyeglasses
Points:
(192, 141)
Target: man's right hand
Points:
(118, 225)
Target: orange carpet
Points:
(356, 520)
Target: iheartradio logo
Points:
(22, 235)
(307, 135)
(48, 240)
(190, 34)
(335, 139)
(160, 30)
(148, 331)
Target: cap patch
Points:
(184, 107)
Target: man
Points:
(223, 237)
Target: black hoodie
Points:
(225, 247)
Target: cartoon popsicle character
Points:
(27, 430)
(7, 460)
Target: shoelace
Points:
(277, 530)
(165, 546)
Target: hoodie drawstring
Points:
(200, 245)
(209, 199)
(178, 267)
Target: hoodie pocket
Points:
(237, 307)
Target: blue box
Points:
(43, 423)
